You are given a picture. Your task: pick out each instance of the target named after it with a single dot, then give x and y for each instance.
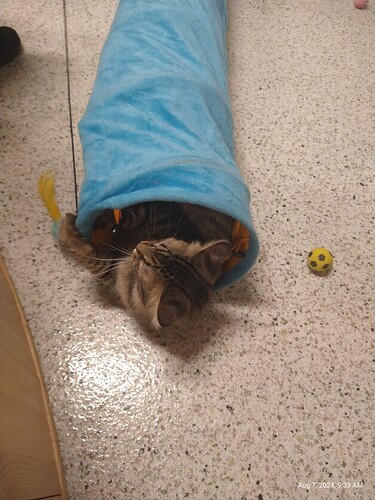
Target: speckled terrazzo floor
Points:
(270, 394)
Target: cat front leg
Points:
(83, 252)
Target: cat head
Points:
(164, 282)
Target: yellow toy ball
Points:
(320, 260)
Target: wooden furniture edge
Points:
(34, 355)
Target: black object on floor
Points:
(10, 45)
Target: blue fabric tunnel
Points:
(158, 125)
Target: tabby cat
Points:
(162, 260)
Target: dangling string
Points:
(70, 104)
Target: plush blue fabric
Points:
(158, 125)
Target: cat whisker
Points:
(118, 249)
(153, 220)
(153, 227)
(92, 257)
(107, 270)
(169, 221)
(106, 259)
(141, 224)
(133, 214)
(147, 223)
(134, 304)
(180, 226)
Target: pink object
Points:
(360, 4)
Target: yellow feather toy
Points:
(46, 187)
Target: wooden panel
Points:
(12, 327)
(20, 383)
(26, 477)
(30, 463)
(33, 425)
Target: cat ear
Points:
(215, 254)
(170, 310)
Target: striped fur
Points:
(163, 261)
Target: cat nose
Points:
(135, 254)
(142, 248)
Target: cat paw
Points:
(68, 230)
